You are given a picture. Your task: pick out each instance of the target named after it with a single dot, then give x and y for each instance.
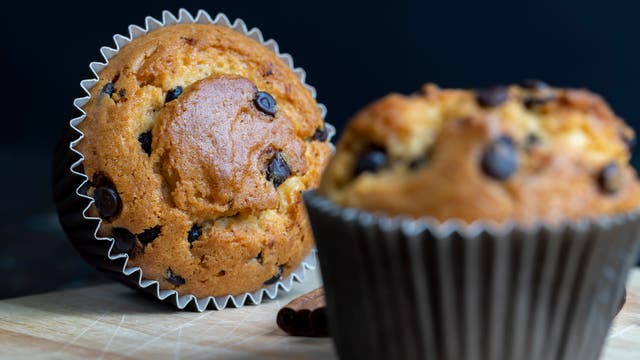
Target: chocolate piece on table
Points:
(305, 315)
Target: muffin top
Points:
(526, 152)
(198, 142)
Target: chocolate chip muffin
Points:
(527, 152)
(518, 224)
(198, 142)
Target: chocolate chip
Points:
(108, 88)
(194, 233)
(221, 273)
(145, 140)
(173, 278)
(373, 159)
(188, 40)
(492, 96)
(124, 239)
(418, 163)
(320, 134)
(629, 140)
(278, 171)
(531, 140)
(534, 101)
(500, 159)
(149, 235)
(610, 178)
(259, 257)
(266, 103)
(122, 93)
(107, 201)
(173, 94)
(275, 277)
(534, 84)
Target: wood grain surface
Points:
(112, 321)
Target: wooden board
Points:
(623, 342)
(112, 321)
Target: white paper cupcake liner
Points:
(73, 204)
(417, 289)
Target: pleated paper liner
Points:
(398, 288)
(72, 202)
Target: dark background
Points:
(353, 53)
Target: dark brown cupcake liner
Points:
(72, 203)
(400, 288)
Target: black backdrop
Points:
(353, 52)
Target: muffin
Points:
(484, 224)
(198, 142)
(449, 153)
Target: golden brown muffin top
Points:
(527, 153)
(215, 148)
(198, 144)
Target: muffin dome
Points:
(525, 152)
(198, 142)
